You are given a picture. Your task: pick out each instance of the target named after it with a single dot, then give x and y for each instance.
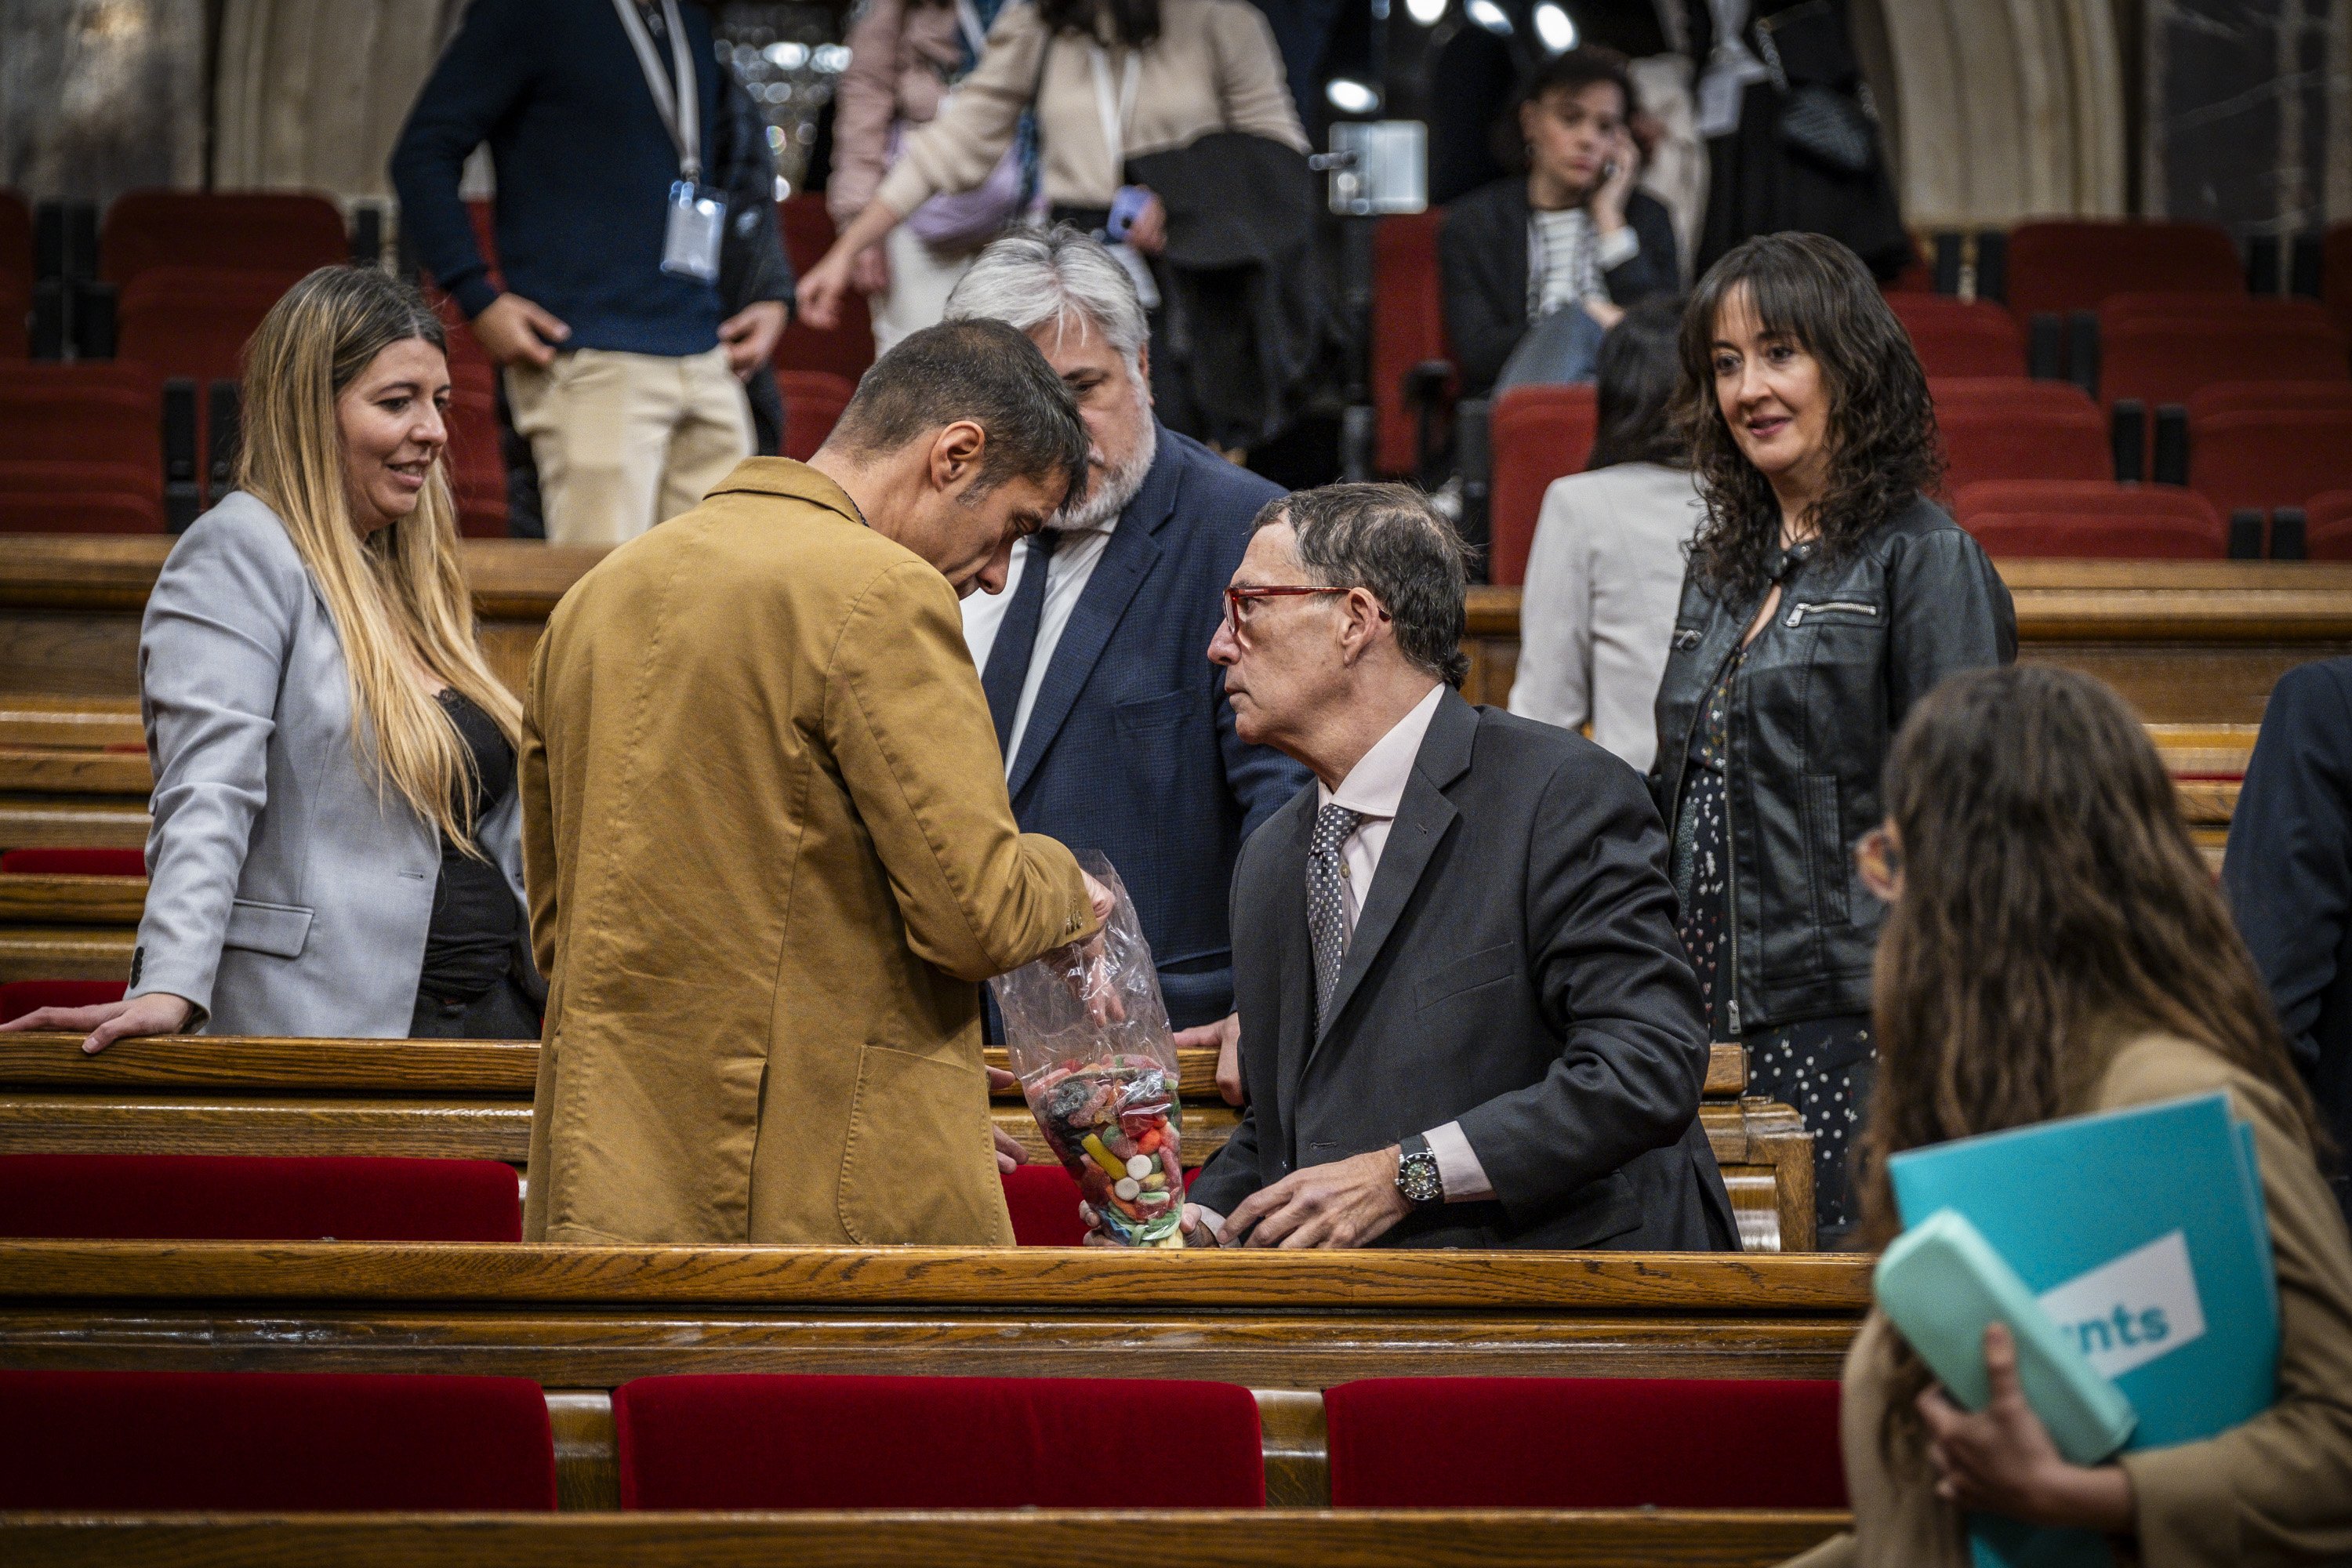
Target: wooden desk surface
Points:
(1420, 1538)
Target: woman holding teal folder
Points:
(2056, 946)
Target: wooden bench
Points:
(589, 1319)
(1269, 1539)
(1273, 1539)
(471, 1100)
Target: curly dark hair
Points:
(1883, 445)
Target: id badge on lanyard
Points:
(696, 225)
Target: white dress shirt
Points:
(1374, 789)
(1068, 571)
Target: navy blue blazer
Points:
(1130, 746)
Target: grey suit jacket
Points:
(1516, 969)
(285, 897)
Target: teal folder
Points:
(2142, 1233)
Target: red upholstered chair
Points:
(2327, 526)
(239, 1198)
(1539, 433)
(477, 461)
(2003, 429)
(2074, 265)
(1606, 1441)
(86, 413)
(2162, 348)
(274, 231)
(1045, 1203)
(274, 1442)
(814, 399)
(935, 1442)
(195, 320)
(845, 349)
(74, 862)
(2092, 519)
(78, 511)
(1959, 337)
(18, 997)
(1408, 328)
(2269, 443)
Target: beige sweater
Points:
(1214, 66)
(2276, 1490)
(900, 55)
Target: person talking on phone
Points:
(1571, 233)
(1109, 81)
(610, 144)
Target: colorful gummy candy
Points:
(1113, 1123)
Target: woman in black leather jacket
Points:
(1826, 593)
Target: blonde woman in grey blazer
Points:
(1605, 573)
(326, 737)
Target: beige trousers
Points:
(921, 279)
(623, 441)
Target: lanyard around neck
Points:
(679, 105)
(1115, 110)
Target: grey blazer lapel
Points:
(1422, 816)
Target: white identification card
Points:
(698, 222)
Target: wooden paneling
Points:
(64, 952)
(472, 1099)
(65, 822)
(1250, 1538)
(87, 722)
(44, 900)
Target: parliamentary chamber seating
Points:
(2125, 366)
(120, 340)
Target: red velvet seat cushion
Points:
(1526, 1442)
(2003, 428)
(273, 1441)
(1538, 434)
(1045, 1203)
(18, 997)
(75, 862)
(240, 1197)
(2328, 524)
(2095, 518)
(935, 1442)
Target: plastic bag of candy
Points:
(1089, 1040)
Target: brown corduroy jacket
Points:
(770, 855)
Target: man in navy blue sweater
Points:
(1113, 724)
(622, 372)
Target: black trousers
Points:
(504, 1011)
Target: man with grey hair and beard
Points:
(1115, 728)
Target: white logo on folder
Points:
(2131, 1310)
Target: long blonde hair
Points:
(396, 596)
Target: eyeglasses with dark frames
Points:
(1238, 600)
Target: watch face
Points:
(1418, 1179)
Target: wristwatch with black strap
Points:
(1417, 1178)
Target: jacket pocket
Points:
(1152, 715)
(918, 1167)
(277, 929)
(1483, 967)
(1825, 829)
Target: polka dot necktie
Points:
(1327, 900)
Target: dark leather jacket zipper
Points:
(1797, 613)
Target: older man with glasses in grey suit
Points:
(1466, 1020)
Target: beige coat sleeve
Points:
(909, 731)
(1250, 82)
(531, 784)
(865, 102)
(956, 151)
(2277, 1490)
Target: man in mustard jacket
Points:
(766, 837)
